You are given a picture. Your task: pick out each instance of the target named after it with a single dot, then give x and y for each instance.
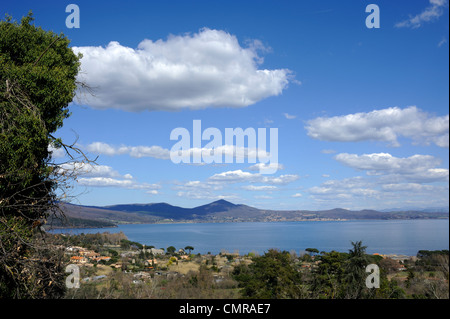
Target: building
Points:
(78, 259)
(155, 251)
(101, 258)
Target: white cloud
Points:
(386, 163)
(227, 150)
(117, 182)
(419, 168)
(297, 195)
(196, 71)
(431, 13)
(239, 176)
(407, 187)
(103, 176)
(259, 188)
(205, 195)
(200, 190)
(282, 179)
(389, 182)
(442, 42)
(384, 198)
(429, 175)
(289, 116)
(350, 192)
(235, 177)
(56, 152)
(382, 125)
(197, 186)
(105, 182)
(263, 167)
(238, 153)
(100, 148)
(87, 169)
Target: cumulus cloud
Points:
(241, 153)
(407, 187)
(346, 188)
(117, 182)
(206, 69)
(239, 176)
(419, 168)
(431, 13)
(374, 191)
(197, 186)
(201, 190)
(386, 163)
(87, 169)
(263, 167)
(263, 188)
(382, 125)
(103, 176)
(105, 182)
(101, 148)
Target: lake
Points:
(404, 237)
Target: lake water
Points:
(380, 236)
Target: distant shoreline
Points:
(237, 221)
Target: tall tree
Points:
(355, 271)
(37, 82)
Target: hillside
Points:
(77, 216)
(218, 211)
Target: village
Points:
(142, 264)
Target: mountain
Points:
(222, 211)
(162, 210)
(165, 210)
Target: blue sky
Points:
(361, 113)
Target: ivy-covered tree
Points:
(38, 74)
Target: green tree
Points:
(37, 82)
(355, 271)
(312, 251)
(271, 276)
(328, 276)
(189, 249)
(171, 249)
